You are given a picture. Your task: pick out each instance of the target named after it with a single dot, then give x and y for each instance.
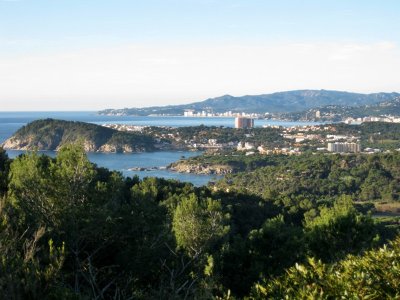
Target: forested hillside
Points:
(72, 230)
(50, 134)
(321, 177)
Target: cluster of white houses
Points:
(229, 114)
(335, 143)
(387, 119)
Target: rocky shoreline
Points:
(206, 169)
(89, 146)
(146, 168)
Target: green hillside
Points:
(71, 230)
(50, 134)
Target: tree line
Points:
(72, 230)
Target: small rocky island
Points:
(50, 134)
(185, 166)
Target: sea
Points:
(154, 163)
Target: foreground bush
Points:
(374, 275)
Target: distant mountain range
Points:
(281, 102)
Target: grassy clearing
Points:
(389, 208)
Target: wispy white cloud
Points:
(348, 51)
(387, 45)
(351, 52)
(140, 75)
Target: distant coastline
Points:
(305, 105)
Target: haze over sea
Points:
(12, 121)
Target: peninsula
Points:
(50, 134)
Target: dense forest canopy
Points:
(322, 177)
(72, 230)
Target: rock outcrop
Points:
(184, 167)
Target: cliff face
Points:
(123, 148)
(15, 144)
(52, 134)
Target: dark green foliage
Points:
(71, 230)
(374, 275)
(322, 178)
(276, 245)
(50, 133)
(268, 250)
(4, 169)
(198, 225)
(339, 230)
(238, 162)
(30, 264)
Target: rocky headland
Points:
(50, 134)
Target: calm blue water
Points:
(123, 162)
(12, 121)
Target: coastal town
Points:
(312, 115)
(293, 140)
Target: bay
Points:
(12, 121)
(123, 162)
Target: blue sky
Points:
(93, 54)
